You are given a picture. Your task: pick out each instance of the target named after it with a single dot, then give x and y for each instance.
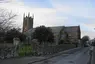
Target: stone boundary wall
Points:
(49, 50)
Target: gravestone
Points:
(16, 42)
(35, 46)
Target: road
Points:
(80, 57)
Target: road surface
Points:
(81, 57)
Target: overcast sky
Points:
(56, 13)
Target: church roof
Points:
(30, 31)
(72, 30)
(56, 29)
(67, 29)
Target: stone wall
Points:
(47, 50)
(8, 52)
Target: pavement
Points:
(93, 56)
(23, 60)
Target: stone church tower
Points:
(27, 22)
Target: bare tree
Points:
(6, 19)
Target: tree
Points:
(6, 19)
(6, 22)
(2, 34)
(84, 40)
(43, 34)
(10, 34)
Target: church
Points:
(60, 32)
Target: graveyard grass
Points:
(25, 50)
